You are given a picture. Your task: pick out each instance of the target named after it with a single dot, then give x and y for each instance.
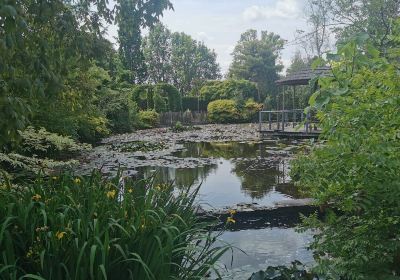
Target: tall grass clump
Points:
(70, 227)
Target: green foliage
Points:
(40, 151)
(256, 59)
(356, 170)
(193, 103)
(178, 127)
(143, 96)
(45, 144)
(250, 110)
(171, 94)
(148, 119)
(223, 111)
(120, 110)
(178, 59)
(69, 227)
(229, 89)
(131, 17)
(295, 272)
(160, 97)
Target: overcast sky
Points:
(219, 23)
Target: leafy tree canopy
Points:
(257, 59)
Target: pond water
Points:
(241, 173)
(258, 249)
(230, 174)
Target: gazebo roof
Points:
(303, 77)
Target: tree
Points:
(346, 18)
(256, 59)
(298, 63)
(157, 50)
(131, 17)
(354, 174)
(316, 42)
(177, 59)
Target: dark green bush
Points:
(172, 94)
(148, 119)
(120, 111)
(223, 111)
(193, 104)
(83, 228)
(160, 97)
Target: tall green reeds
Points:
(93, 228)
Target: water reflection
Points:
(258, 249)
(244, 173)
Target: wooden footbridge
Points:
(293, 123)
(288, 124)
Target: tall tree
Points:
(157, 50)
(131, 17)
(256, 59)
(178, 59)
(344, 19)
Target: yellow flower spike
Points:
(77, 181)
(232, 212)
(130, 190)
(54, 178)
(230, 220)
(60, 235)
(111, 194)
(29, 253)
(36, 197)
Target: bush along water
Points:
(68, 227)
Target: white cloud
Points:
(203, 37)
(281, 9)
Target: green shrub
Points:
(250, 110)
(120, 110)
(160, 103)
(356, 171)
(40, 150)
(160, 97)
(178, 127)
(92, 128)
(172, 95)
(193, 104)
(229, 89)
(223, 111)
(148, 119)
(79, 228)
(49, 145)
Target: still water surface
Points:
(244, 173)
(241, 173)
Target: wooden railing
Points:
(288, 120)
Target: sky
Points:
(219, 23)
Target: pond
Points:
(231, 174)
(241, 173)
(258, 249)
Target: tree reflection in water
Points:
(259, 168)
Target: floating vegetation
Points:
(138, 146)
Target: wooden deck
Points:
(293, 124)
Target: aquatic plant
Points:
(67, 227)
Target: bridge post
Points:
(260, 120)
(283, 120)
(269, 121)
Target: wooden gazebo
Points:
(279, 119)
